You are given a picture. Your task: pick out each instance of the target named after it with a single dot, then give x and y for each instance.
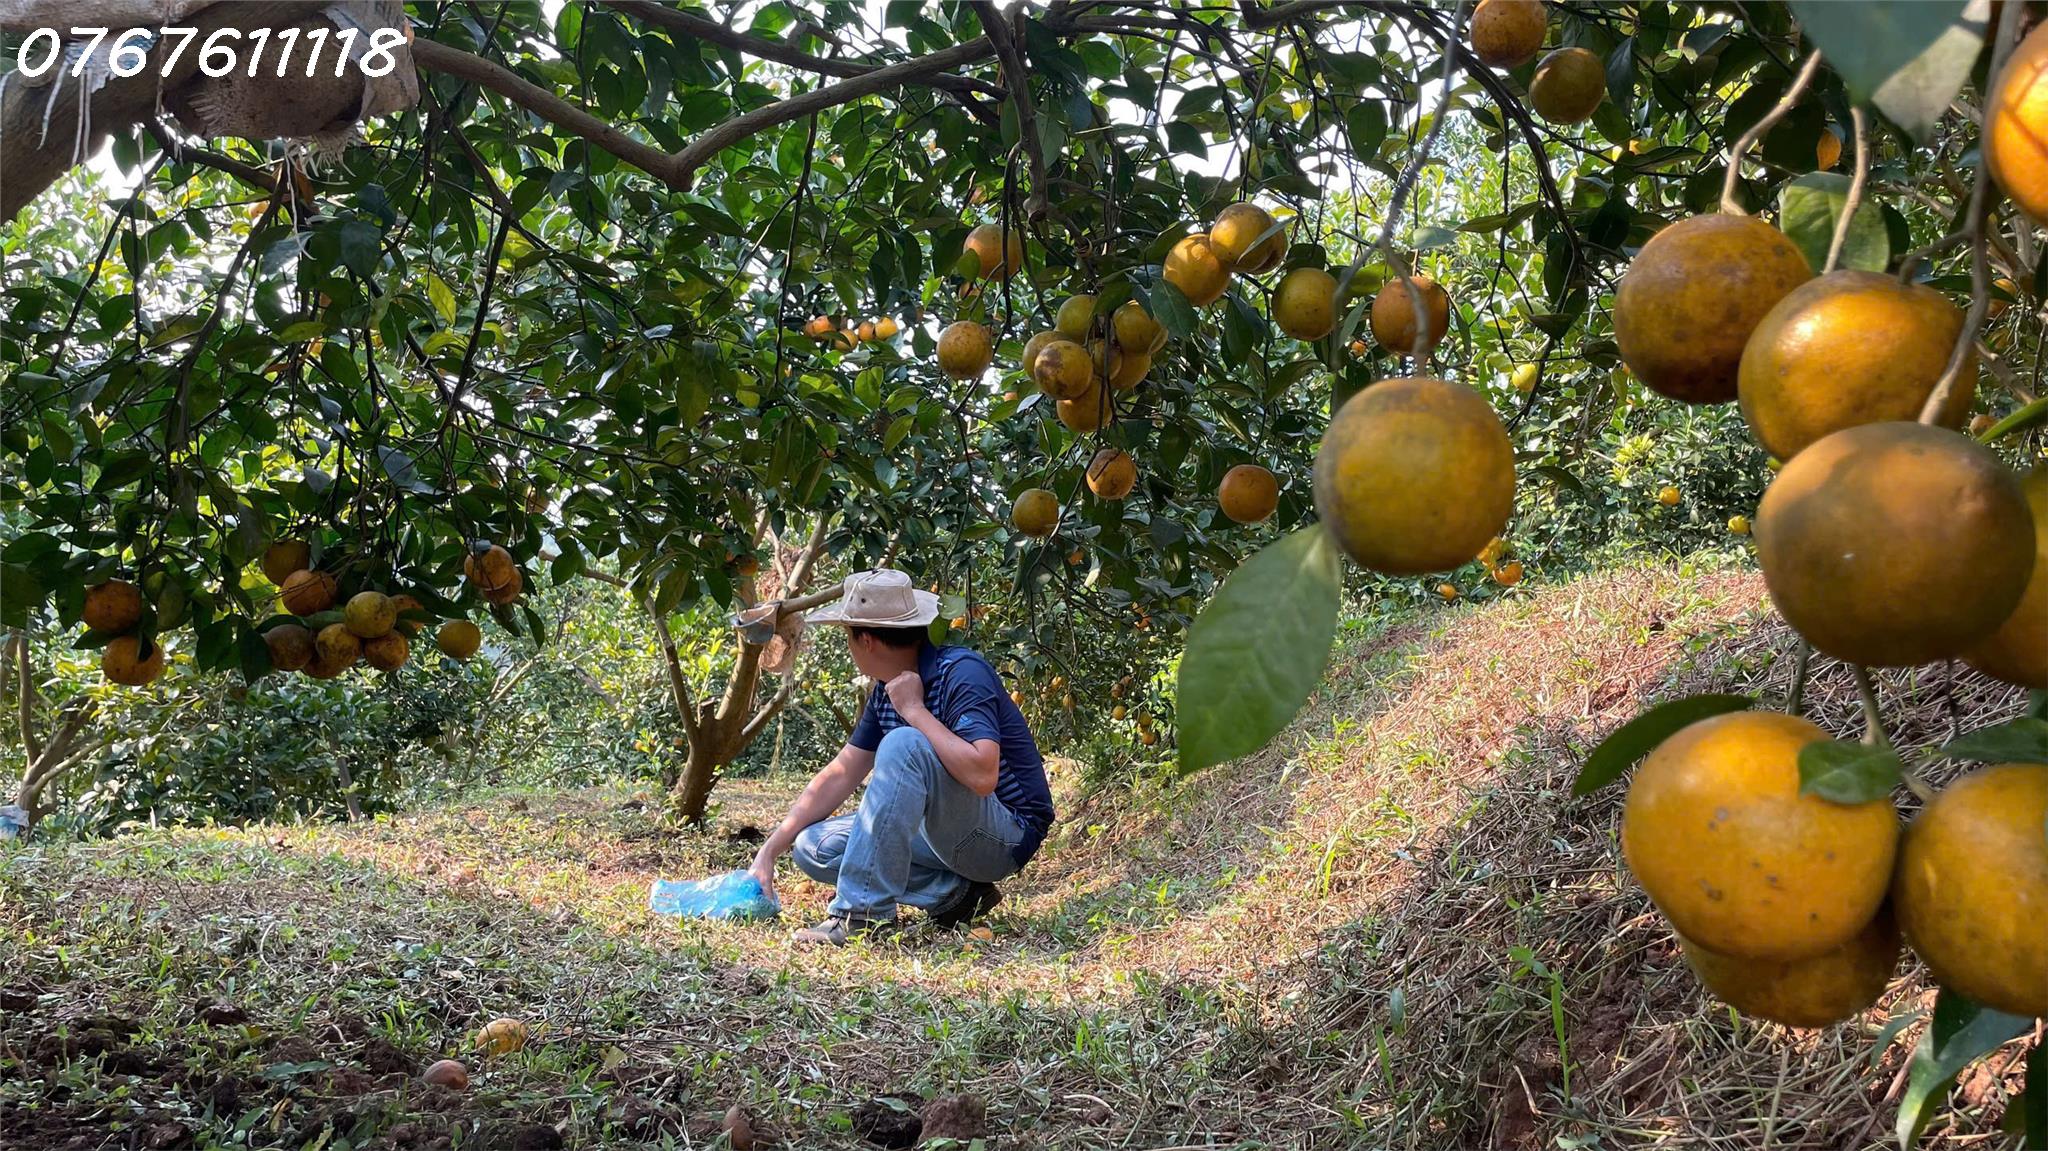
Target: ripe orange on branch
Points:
(965, 350)
(1848, 348)
(1508, 33)
(1198, 268)
(1810, 992)
(2018, 651)
(1112, 474)
(1685, 308)
(1236, 238)
(122, 661)
(1972, 887)
(1415, 475)
(1248, 493)
(305, 593)
(1393, 318)
(1000, 257)
(1716, 830)
(113, 607)
(2016, 126)
(1568, 86)
(1895, 544)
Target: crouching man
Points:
(956, 795)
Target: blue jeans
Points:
(918, 837)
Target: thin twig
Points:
(1856, 182)
(1873, 719)
(1741, 147)
(1980, 275)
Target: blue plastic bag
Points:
(734, 895)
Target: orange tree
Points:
(665, 296)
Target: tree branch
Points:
(453, 61)
(718, 138)
(678, 22)
(182, 152)
(1018, 80)
(30, 745)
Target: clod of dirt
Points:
(382, 1057)
(955, 1117)
(222, 1015)
(746, 833)
(522, 1137)
(890, 1120)
(164, 1136)
(20, 997)
(738, 1128)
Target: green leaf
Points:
(1258, 649)
(2021, 741)
(1842, 772)
(361, 243)
(1909, 57)
(1808, 209)
(442, 297)
(1640, 736)
(1961, 1031)
(1171, 307)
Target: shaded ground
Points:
(1393, 929)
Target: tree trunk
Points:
(692, 796)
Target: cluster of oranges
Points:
(1887, 538)
(847, 335)
(316, 631)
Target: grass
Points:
(1394, 928)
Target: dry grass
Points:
(1393, 929)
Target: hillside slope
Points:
(1394, 928)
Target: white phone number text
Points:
(220, 54)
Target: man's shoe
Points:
(975, 901)
(839, 930)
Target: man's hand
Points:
(764, 871)
(906, 693)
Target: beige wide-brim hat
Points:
(884, 597)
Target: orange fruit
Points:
(459, 638)
(1827, 151)
(1305, 303)
(388, 652)
(1198, 268)
(1075, 316)
(1090, 412)
(1508, 33)
(490, 568)
(1062, 370)
(1393, 315)
(1447, 591)
(1848, 348)
(1508, 574)
(122, 661)
(1895, 544)
(291, 646)
(1136, 331)
(1112, 474)
(1716, 830)
(2016, 126)
(1568, 86)
(113, 607)
(403, 604)
(502, 1037)
(283, 558)
(1686, 307)
(1414, 476)
(447, 1073)
(1810, 992)
(336, 646)
(305, 593)
(1000, 257)
(370, 614)
(1235, 239)
(1248, 493)
(1972, 887)
(2018, 651)
(965, 350)
(886, 328)
(1036, 512)
(1668, 496)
